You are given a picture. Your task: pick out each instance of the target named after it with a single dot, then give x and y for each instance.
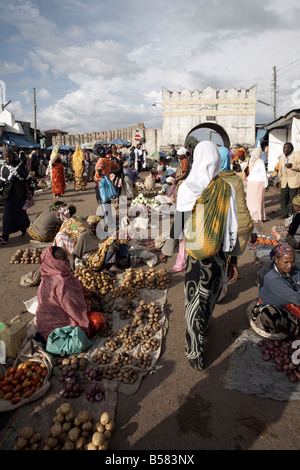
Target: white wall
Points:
(277, 138)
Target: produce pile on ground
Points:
(128, 287)
(27, 256)
(130, 349)
(285, 356)
(95, 280)
(263, 242)
(19, 383)
(149, 203)
(69, 432)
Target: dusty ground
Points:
(178, 408)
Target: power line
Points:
(285, 60)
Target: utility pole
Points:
(34, 106)
(274, 91)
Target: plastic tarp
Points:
(260, 134)
(119, 142)
(19, 141)
(62, 147)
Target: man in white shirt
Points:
(139, 158)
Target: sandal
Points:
(24, 235)
(2, 241)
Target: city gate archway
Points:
(231, 113)
(215, 128)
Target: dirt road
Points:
(178, 408)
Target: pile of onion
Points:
(282, 353)
(68, 374)
(92, 373)
(94, 392)
(71, 389)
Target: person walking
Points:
(15, 187)
(210, 236)
(257, 185)
(289, 178)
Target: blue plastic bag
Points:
(67, 340)
(106, 189)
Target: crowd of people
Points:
(219, 196)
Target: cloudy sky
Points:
(101, 64)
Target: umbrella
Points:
(119, 142)
(158, 155)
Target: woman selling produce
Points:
(210, 237)
(15, 187)
(47, 224)
(62, 300)
(277, 311)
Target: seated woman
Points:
(277, 312)
(87, 243)
(62, 300)
(47, 224)
(108, 253)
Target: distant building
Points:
(17, 134)
(284, 129)
(49, 134)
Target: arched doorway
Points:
(207, 131)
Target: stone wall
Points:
(150, 138)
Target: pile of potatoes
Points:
(28, 439)
(95, 280)
(73, 432)
(27, 256)
(102, 433)
(72, 361)
(150, 279)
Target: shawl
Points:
(77, 161)
(225, 158)
(14, 170)
(256, 155)
(206, 232)
(60, 297)
(218, 205)
(206, 166)
(54, 154)
(133, 174)
(245, 224)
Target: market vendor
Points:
(47, 224)
(166, 186)
(87, 243)
(277, 311)
(110, 253)
(290, 230)
(62, 300)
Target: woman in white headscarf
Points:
(209, 203)
(257, 185)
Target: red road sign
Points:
(137, 137)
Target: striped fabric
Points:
(206, 226)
